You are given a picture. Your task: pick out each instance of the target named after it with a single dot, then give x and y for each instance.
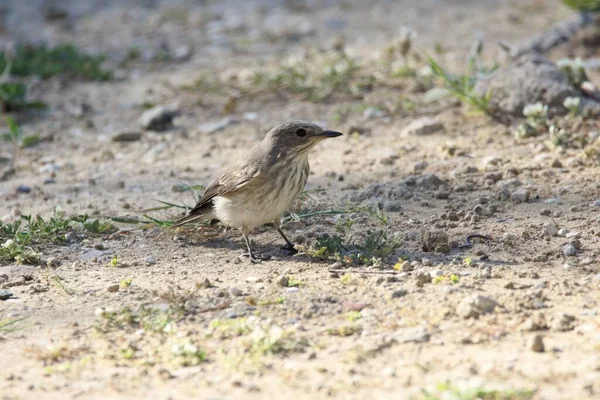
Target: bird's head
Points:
(298, 136)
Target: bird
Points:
(260, 186)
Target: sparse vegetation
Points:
(46, 62)
(10, 325)
(463, 86)
(449, 390)
(375, 246)
(19, 238)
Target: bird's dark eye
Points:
(301, 132)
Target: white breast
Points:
(251, 208)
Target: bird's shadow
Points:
(231, 239)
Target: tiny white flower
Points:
(8, 243)
(572, 103)
(536, 110)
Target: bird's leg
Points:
(250, 255)
(289, 246)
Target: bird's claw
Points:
(291, 250)
(256, 258)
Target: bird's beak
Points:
(328, 134)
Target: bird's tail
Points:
(202, 214)
(187, 219)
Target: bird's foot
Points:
(289, 249)
(255, 258)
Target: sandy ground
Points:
(190, 320)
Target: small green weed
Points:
(10, 325)
(463, 88)
(13, 97)
(376, 245)
(46, 62)
(17, 239)
(448, 390)
(15, 137)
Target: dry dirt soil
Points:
(148, 312)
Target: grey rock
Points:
(150, 260)
(5, 294)
(519, 195)
(423, 126)
(475, 305)
(529, 79)
(569, 250)
(396, 294)
(411, 335)
(159, 118)
(429, 181)
(549, 229)
(563, 232)
(94, 254)
(126, 136)
(536, 344)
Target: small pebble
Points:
(113, 288)
(5, 294)
(550, 229)
(422, 126)
(23, 189)
(421, 278)
(563, 232)
(520, 195)
(283, 281)
(569, 250)
(475, 305)
(150, 260)
(126, 136)
(536, 344)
